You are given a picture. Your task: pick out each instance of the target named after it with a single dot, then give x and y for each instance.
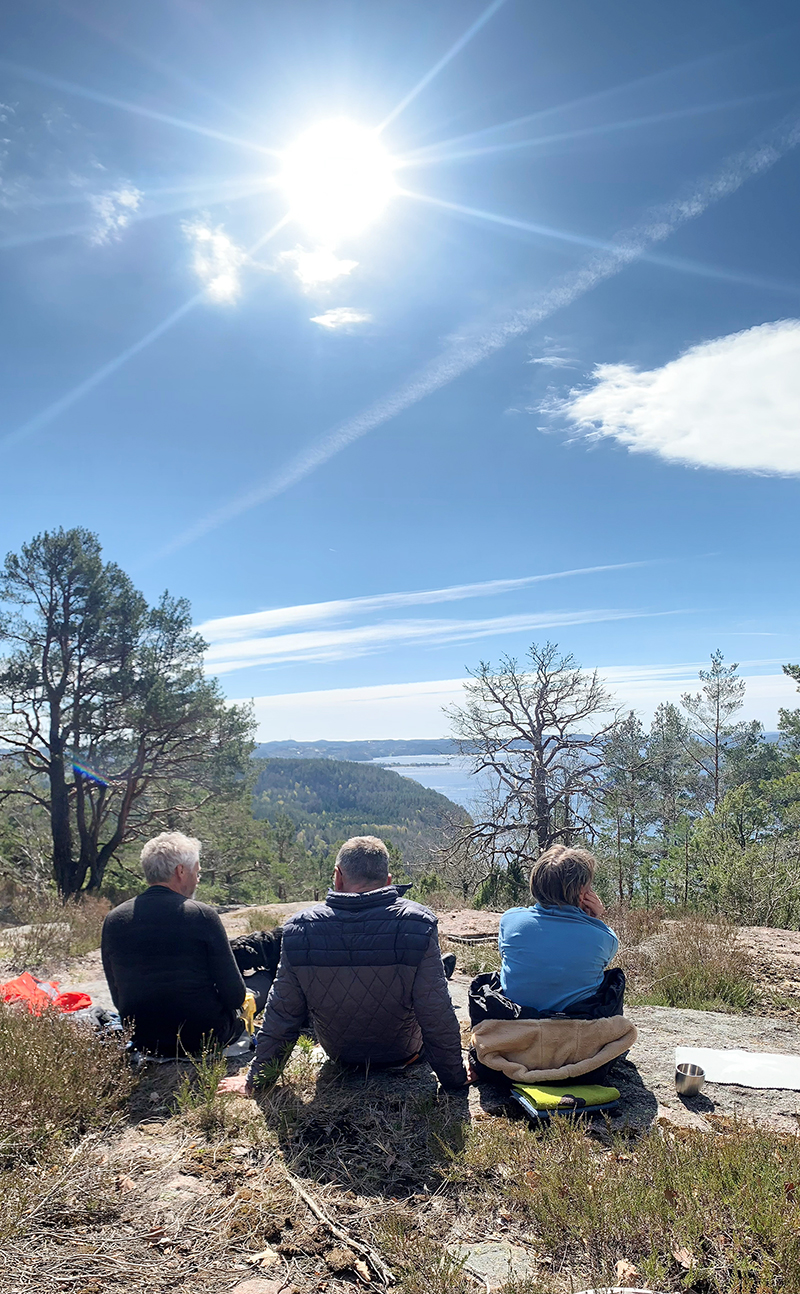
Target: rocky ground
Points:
(175, 1201)
(646, 1078)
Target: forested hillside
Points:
(331, 799)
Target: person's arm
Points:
(222, 963)
(108, 967)
(611, 946)
(284, 1017)
(437, 1019)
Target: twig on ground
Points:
(370, 1256)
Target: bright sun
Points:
(338, 179)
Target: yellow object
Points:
(248, 1011)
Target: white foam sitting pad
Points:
(745, 1068)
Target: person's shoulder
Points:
(314, 912)
(516, 916)
(410, 908)
(196, 910)
(122, 912)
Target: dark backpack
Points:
(258, 951)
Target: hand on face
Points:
(590, 902)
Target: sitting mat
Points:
(567, 1096)
(543, 1116)
(745, 1068)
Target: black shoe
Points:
(449, 964)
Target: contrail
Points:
(628, 246)
(443, 61)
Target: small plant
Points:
(478, 959)
(197, 1092)
(713, 1211)
(427, 1267)
(57, 1080)
(261, 919)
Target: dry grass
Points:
(58, 1081)
(714, 1211)
(58, 1085)
(261, 919)
(473, 959)
(194, 1200)
(51, 931)
(696, 963)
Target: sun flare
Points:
(338, 179)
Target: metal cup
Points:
(689, 1079)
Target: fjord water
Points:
(451, 775)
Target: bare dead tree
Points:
(534, 730)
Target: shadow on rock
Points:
(638, 1106)
(378, 1133)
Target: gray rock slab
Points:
(459, 996)
(650, 1067)
(496, 1262)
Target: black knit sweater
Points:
(171, 972)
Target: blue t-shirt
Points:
(552, 957)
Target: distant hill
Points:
(333, 799)
(356, 750)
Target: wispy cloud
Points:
(341, 317)
(552, 361)
(216, 261)
(316, 267)
(346, 644)
(414, 710)
(628, 247)
(731, 403)
(113, 211)
(230, 628)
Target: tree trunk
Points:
(63, 863)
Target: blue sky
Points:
(547, 325)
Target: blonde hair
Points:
(163, 853)
(559, 875)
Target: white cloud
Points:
(552, 361)
(113, 210)
(732, 403)
(395, 710)
(626, 248)
(229, 628)
(409, 710)
(315, 267)
(217, 260)
(363, 640)
(340, 317)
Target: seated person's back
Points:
(366, 967)
(167, 958)
(555, 953)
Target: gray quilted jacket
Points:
(367, 970)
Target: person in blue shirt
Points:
(555, 953)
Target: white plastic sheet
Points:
(745, 1068)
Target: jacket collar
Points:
(369, 899)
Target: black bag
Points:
(259, 951)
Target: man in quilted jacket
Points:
(365, 967)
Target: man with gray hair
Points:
(167, 958)
(365, 967)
